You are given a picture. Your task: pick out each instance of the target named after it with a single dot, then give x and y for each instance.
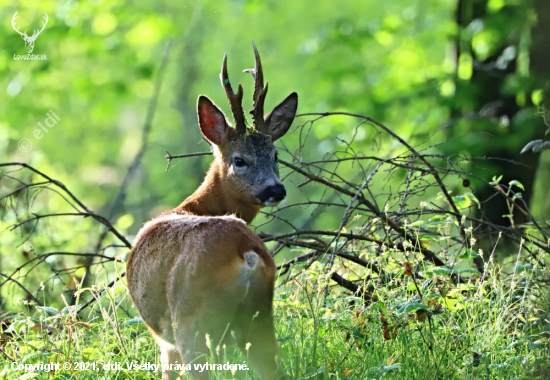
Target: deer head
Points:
(245, 157)
(29, 41)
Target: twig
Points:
(108, 286)
(31, 296)
(170, 157)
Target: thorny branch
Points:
(345, 215)
(30, 189)
(397, 223)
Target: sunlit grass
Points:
(437, 330)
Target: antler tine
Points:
(15, 16)
(259, 90)
(235, 100)
(43, 26)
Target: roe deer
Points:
(198, 269)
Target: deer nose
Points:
(275, 193)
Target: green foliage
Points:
(456, 84)
(412, 329)
(539, 145)
(103, 59)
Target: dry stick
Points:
(22, 287)
(404, 143)
(321, 248)
(342, 190)
(309, 203)
(425, 252)
(286, 266)
(498, 188)
(109, 285)
(170, 157)
(353, 287)
(351, 235)
(24, 186)
(360, 261)
(87, 213)
(49, 179)
(44, 256)
(38, 217)
(406, 192)
(347, 214)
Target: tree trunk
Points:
(504, 113)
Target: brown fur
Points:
(188, 277)
(198, 269)
(218, 195)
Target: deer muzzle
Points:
(272, 195)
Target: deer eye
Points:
(239, 162)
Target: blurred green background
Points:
(466, 75)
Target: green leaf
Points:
(461, 202)
(441, 271)
(496, 180)
(285, 339)
(426, 237)
(436, 224)
(531, 145)
(526, 267)
(135, 321)
(468, 254)
(31, 375)
(411, 307)
(388, 368)
(517, 183)
(48, 310)
(467, 270)
(472, 197)
(378, 305)
(536, 344)
(465, 200)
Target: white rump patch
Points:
(252, 259)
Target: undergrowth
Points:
(418, 322)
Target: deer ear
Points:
(279, 120)
(211, 121)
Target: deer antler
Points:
(259, 90)
(35, 34)
(235, 100)
(13, 25)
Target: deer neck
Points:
(217, 197)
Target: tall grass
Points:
(493, 326)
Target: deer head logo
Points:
(29, 41)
